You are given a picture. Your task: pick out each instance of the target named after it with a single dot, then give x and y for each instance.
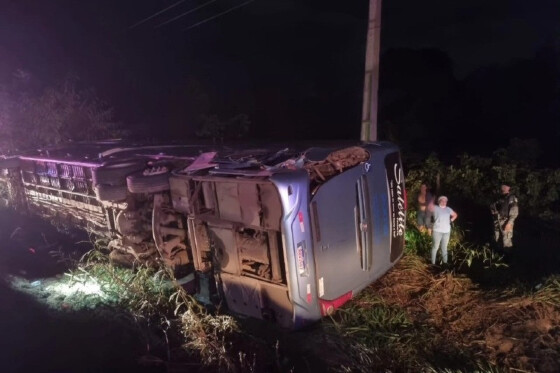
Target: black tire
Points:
(115, 173)
(140, 183)
(110, 193)
(12, 162)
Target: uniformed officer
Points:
(504, 211)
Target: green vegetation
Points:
(474, 180)
(154, 299)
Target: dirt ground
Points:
(514, 331)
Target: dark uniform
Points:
(504, 210)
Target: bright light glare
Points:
(87, 287)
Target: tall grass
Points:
(462, 254)
(152, 297)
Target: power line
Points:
(219, 14)
(157, 14)
(187, 12)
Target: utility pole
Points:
(371, 78)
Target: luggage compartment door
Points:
(342, 233)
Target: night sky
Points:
(295, 67)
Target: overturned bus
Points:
(287, 234)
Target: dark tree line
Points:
(32, 116)
(423, 106)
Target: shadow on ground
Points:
(36, 338)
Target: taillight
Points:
(329, 306)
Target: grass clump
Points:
(549, 291)
(153, 298)
(378, 336)
(144, 291)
